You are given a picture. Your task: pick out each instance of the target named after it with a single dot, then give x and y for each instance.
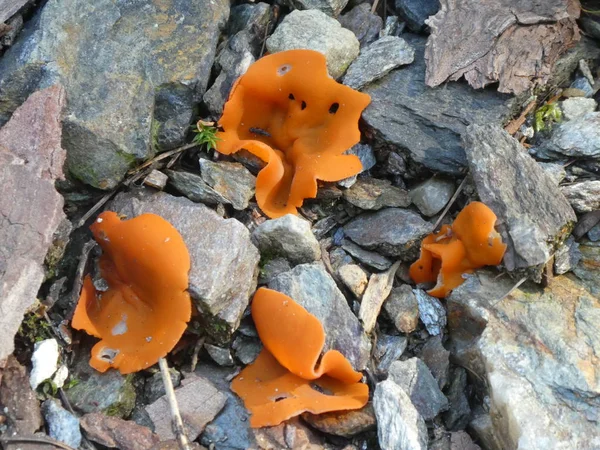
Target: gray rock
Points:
(378, 289)
(246, 348)
(541, 392)
(431, 312)
(373, 193)
(289, 237)
(154, 388)
(339, 257)
(222, 356)
(594, 233)
(416, 380)
(367, 158)
(108, 392)
(437, 358)
(314, 30)
(388, 349)
(62, 425)
(329, 7)
(378, 59)
(395, 164)
(199, 402)
(591, 26)
(31, 210)
(432, 195)
(533, 216)
(555, 171)
(425, 124)
(583, 85)
(224, 260)
(230, 180)
(459, 413)
(584, 196)
(234, 60)
(371, 259)
(173, 114)
(145, 48)
(314, 289)
(392, 231)
(392, 27)
(252, 17)
(576, 107)
(195, 188)
(399, 425)
(354, 278)
(415, 12)
(567, 256)
(403, 308)
(271, 268)
(363, 23)
(588, 268)
(578, 138)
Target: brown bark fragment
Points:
(513, 42)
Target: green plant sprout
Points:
(547, 115)
(205, 135)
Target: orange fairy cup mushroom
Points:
(145, 310)
(290, 113)
(286, 378)
(471, 242)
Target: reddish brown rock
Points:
(510, 41)
(343, 423)
(20, 406)
(117, 433)
(31, 159)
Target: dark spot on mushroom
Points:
(303, 105)
(334, 108)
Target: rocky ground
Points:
(97, 100)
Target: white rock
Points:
(44, 361)
(61, 376)
(399, 425)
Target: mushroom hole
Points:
(303, 105)
(282, 70)
(108, 354)
(291, 97)
(280, 397)
(334, 108)
(320, 389)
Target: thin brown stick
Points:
(374, 7)
(163, 156)
(197, 349)
(514, 125)
(99, 204)
(450, 203)
(34, 440)
(513, 289)
(176, 422)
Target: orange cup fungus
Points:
(145, 310)
(290, 113)
(286, 379)
(471, 242)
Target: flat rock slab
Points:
(224, 260)
(147, 47)
(199, 402)
(533, 215)
(314, 289)
(584, 197)
(113, 432)
(31, 160)
(510, 41)
(425, 124)
(393, 231)
(538, 350)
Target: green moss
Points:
(34, 328)
(546, 116)
(123, 407)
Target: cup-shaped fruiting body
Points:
(291, 114)
(287, 378)
(471, 242)
(143, 309)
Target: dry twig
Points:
(176, 421)
(451, 202)
(34, 440)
